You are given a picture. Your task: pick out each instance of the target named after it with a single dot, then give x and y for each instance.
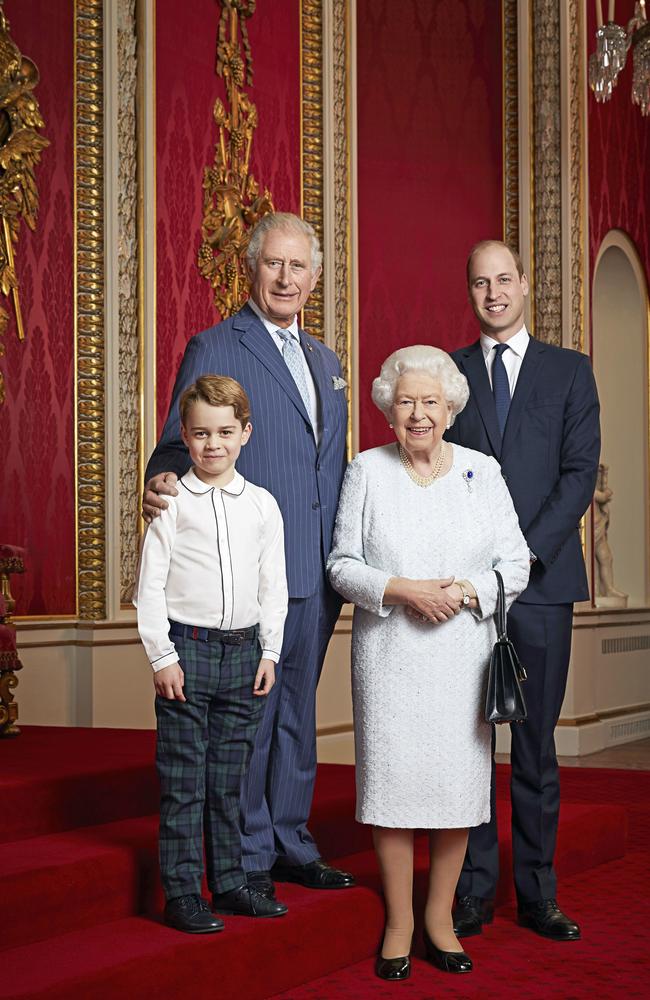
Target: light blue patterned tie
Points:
(500, 386)
(292, 354)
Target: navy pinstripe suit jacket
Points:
(281, 454)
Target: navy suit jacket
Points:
(281, 454)
(549, 457)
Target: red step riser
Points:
(120, 878)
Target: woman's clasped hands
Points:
(435, 601)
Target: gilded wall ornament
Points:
(20, 151)
(232, 202)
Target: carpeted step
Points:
(56, 779)
(61, 779)
(104, 873)
(510, 962)
(251, 959)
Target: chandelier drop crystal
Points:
(641, 70)
(612, 45)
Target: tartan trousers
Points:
(203, 750)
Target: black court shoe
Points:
(447, 961)
(393, 969)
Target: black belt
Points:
(231, 637)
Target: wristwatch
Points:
(466, 597)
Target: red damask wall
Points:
(36, 420)
(429, 174)
(186, 89)
(619, 160)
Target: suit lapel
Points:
(525, 380)
(477, 376)
(321, 380)
(256, 338)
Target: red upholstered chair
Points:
(12, 560)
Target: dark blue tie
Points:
(500, 386)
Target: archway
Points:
(620, 355)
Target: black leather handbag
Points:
(505, 699)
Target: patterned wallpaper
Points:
(186, 88)
(36, 421)
(430, 173)
(619, 160)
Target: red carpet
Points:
(80, 897)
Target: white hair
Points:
(286, 221)
(420, 358)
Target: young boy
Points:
(211, 594)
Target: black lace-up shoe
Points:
(263, 882)
(546, 918)
(246, 901)
(191, 914)
(314, 875)
(470, 913)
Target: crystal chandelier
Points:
(612, 45)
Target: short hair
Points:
(420, 358)
(484, 244)
(286, 221)
(216, 390)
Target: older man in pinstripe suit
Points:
(297, 452)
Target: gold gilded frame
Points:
(329, 196)
(90, 430)
(89, 305)
(510, 124)
(311, 144)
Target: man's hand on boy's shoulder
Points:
(169, 682)
(164, 484)
(264, 678)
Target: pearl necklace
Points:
(423, 481)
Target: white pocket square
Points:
(338, 382)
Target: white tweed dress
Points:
(422, 747)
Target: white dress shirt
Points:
(214, 558)
(511, 359)
(279, 343)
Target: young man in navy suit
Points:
(298, 453)
(535, 408)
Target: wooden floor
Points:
(631, 756)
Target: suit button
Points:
(318, 467)
(315, 506)
(505, 478)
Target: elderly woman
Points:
(421, 527)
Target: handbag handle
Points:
(500, 612)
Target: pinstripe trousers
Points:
(203, 749)
(278, 789)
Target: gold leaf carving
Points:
(20, 151)
(232, 203)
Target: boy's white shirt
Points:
(215, 559)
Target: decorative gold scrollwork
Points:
(232, 203)
(20, 151)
